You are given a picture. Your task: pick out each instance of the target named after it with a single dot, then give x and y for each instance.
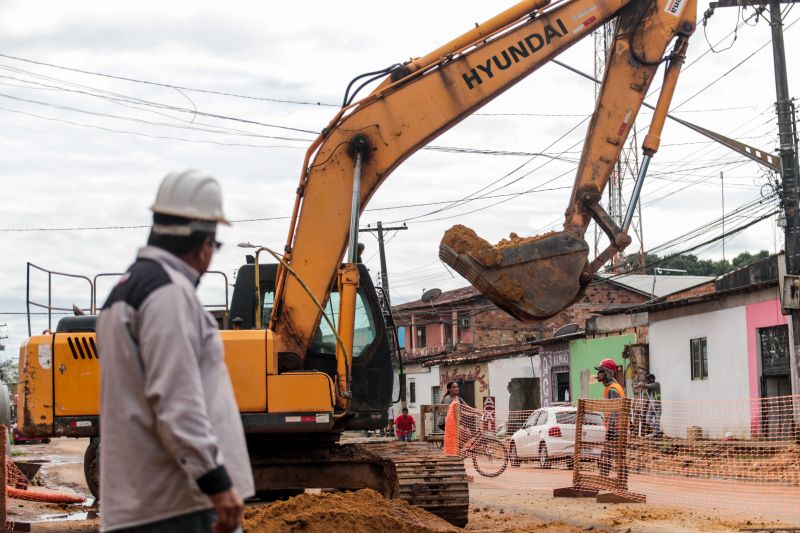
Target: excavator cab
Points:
(373, 359)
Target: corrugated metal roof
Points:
(656, 286)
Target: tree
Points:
(691, 264)
(9, 373)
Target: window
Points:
(448, 334)
(266, 308)
(401, 337)
(412, 392)
(542, 420)
(774, 348)
(436, 394)
(561, 385)
(420, 336)
(593, 419)
(363, 332)
(566, 417)
(699, 354)
(531, 421)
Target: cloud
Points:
(56, 174)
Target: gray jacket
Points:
(170, 429)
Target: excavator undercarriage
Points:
(415, 472)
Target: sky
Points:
(99, 100)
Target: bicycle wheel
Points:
(489, 456)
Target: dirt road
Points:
(526, 493)
(519, 500)
(61, 472)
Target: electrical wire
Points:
(167, 85)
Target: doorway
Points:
(777, 416)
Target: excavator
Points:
(314, 356)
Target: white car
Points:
(548, 435)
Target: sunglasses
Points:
(215, 243)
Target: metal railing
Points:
(92, 282)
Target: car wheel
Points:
(513, 458)
(544, 460)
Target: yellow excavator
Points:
(314, 355)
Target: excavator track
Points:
(413, 471)
(428, 478)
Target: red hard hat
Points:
(607, 364)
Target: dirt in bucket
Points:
(363, 511)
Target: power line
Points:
(167, 85)
(266, 219)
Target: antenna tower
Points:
(627, 167)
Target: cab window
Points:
(266, 308)
(364, 330)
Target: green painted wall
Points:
(585, 354)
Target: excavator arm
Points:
(420, 100)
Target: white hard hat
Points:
(190, 194)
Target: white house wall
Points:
(500, 373)
(702, 400)
(424, 378)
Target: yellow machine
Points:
(300, 380)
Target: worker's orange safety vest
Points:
(617, 387)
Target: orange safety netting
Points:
(742, 455)
(451, 430)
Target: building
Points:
(710, 347)
(462, 336)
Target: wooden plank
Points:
(622, 496)
(574, 492)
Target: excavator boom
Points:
(425, 97)
(534, 278)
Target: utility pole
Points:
(722, 184)
(384, 276)
(787, 135)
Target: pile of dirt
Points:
(464, 240)
(515, 240)
(715, 460)
(363, 511)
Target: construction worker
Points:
(605, 375)
(173, 456)
(613, 390)
(652, 388)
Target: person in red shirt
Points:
(404, 426)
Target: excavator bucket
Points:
(530, 278)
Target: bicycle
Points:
(489, 455)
